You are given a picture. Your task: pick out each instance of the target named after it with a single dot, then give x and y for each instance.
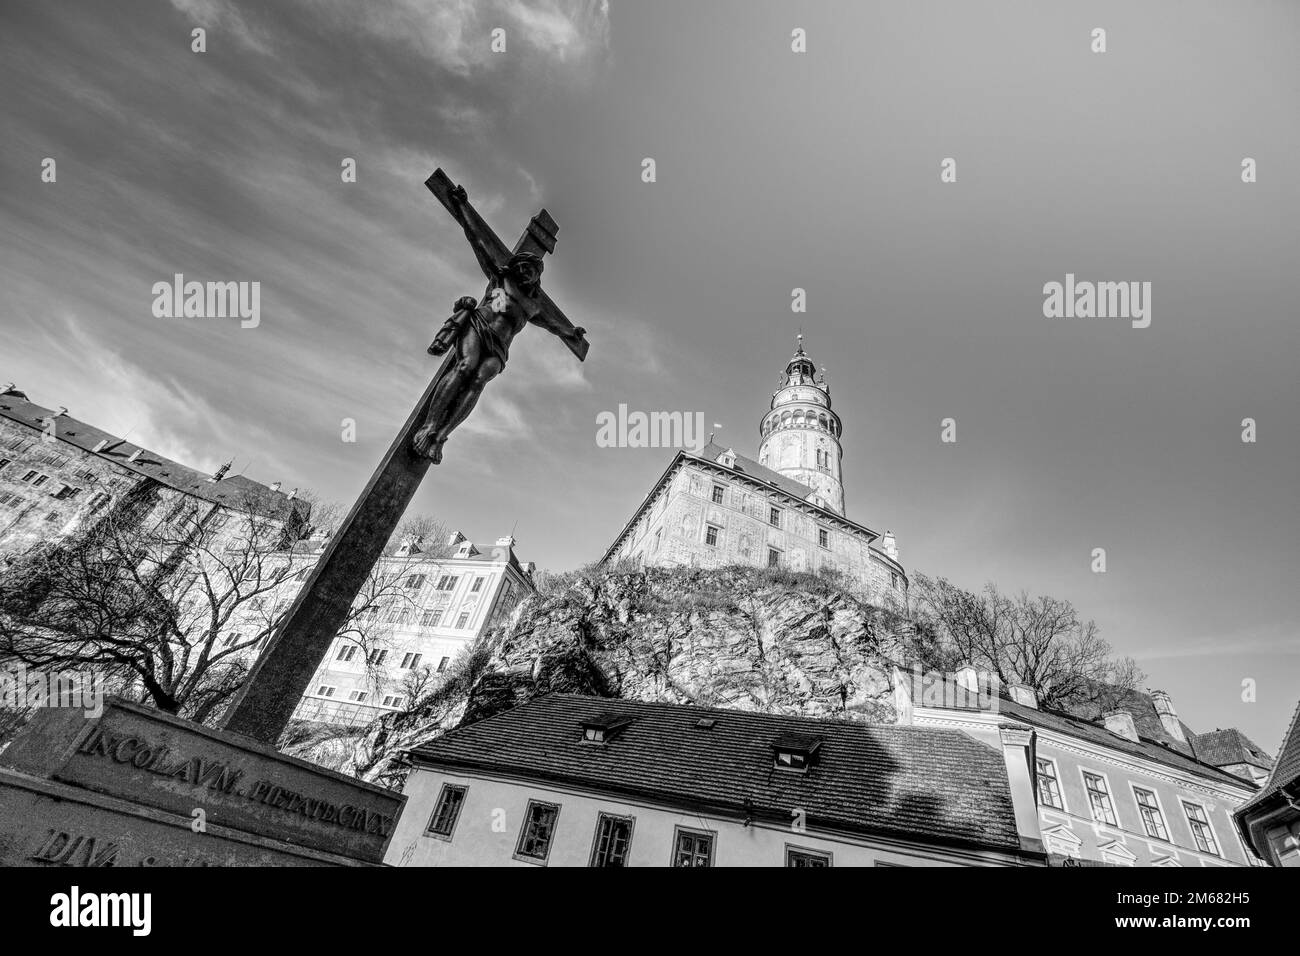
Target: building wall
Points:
(402, 627)
(1074, 832)
(487, 831)
(674, 531)
(34, 472)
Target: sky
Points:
(774, 170)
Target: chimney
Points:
(1024, 695)
(275, 486)
(135, 455)
(293, 494)
(1164, 706)
(890, 545)
(969, 678)
(221, 472)
(1018, 754)
(1120, 723)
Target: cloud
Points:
(222, 15)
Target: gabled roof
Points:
(924, 783)
(1145, 747)
(1221, 748)
(236, 491)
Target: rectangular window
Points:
(347, 652)
(447, 811)
(359, 696)
(463, 621)
(67, 491)
(446, 582)
(692, 848)
(477, 586)
(410, 660)
(232, 639)
(324, 690)
(893, 580)
(1201, 830)
(613, 840)
(5, 462)
(1049, 786)
(797, 857)
(415, 581)
(302, 575)
(711, 536)
(431, 618)
(378, 657)
(1153, 821)
(442, 664)
(823, 537)
(10, 501)
(774, 517)
(658, 532)
(538, 831)
(717, 494)
(1099, 798)
(773, 558)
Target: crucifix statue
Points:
(479, 333)
(476, 341)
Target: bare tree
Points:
(1037, 641)
(173, 606)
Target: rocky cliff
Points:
(771, 641)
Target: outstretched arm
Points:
(485, 262)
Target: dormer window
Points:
(603, 728)
(795, 751)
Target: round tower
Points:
(801, 435)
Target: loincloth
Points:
(490, 341)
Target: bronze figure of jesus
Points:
(480, 333)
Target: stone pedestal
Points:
(134, 786)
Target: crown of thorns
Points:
(525, 258)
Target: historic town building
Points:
(1125, 790)
(419, 611)
(566, 780)
(59, 475)
(1270, 821)
(715, 507)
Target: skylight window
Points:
(795, 751)
(603, 727)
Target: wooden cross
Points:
(283, 673)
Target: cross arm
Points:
(486, 244)
(550, 318)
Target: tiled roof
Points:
(1146, 747)
(1286, 770)
(235, 492)
(747, 466)
(1224, 747)
(919, 782)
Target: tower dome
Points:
(801, 434)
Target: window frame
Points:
(678, 831)
(1084, 773)
(1159, 808)
(774, 516)
(791, 848)
(463, 789)
(823, 539)
(1217, 852)
(601, 817)
(715, 531)
(1056, 777)
(774, 553)
(719, 494)
(523, 831)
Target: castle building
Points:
(417, 613)
(1269, 822)
(60, 476)
(714, 507)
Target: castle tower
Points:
(801, 435)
